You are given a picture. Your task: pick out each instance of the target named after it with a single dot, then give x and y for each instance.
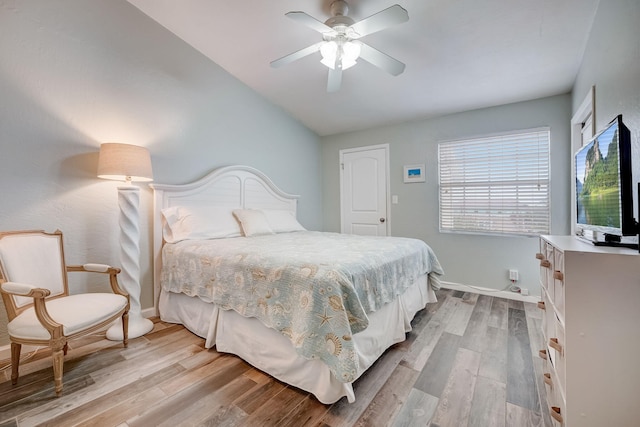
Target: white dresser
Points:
(591, 325)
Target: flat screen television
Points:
(604, 192)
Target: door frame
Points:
(387, 189)
(585, 110)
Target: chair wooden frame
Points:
(58, 341)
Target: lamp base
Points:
(138, 326)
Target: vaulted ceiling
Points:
(459, 54)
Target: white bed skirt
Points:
(273, 353)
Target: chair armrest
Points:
(39, 305)
(24, 290)
(102, 268)
(92, 268)
(97, 268)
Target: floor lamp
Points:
(128, 163)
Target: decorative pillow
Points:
(282, 221)
(254, 222)
(194, 223)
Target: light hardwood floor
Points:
(471, 360)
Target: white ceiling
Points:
(459, 54)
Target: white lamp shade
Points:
(351, 51)
(124, 162)
(347, 52)
(329, 51)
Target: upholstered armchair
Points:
(35, 292)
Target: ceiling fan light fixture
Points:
(351, 51)
(329, 51)
(346, 52)
(340, 46)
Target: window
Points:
(497, 185)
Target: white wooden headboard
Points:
(231, 186)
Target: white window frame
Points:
(497, 185)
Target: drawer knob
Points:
(558, 275)
(547, 380)
(555, 414)
(541, 305)
(543, 354)
(539, 256)
(554, 344)
(545, 263)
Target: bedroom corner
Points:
(83, 73)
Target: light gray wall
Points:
(77, 73)
(477, 260)
(611, 63)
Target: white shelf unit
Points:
(591, 326)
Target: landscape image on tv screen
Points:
(597, 181)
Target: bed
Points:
(312, 309)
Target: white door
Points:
(363, 190)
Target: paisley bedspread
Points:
(315, 288)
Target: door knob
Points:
(382, 219)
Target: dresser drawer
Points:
(554, 339)
(557, 360)
(555, 403)
(557, 411)
(540, 256)
(545, 256)
(549, 269)
(548, 318)
(558, 283)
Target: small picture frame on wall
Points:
(414, 173)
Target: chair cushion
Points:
(74, 312)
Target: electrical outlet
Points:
(513, 275)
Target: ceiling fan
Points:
(340, 47)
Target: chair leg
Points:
(58, 364)
(15, 361)
(125, 329)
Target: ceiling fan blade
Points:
(381, 60)
(393, 15)
(334, 81)
(296, 55)
(309, 21)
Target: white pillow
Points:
(254, 222)
(282, 221)
(193, 223)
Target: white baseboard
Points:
(491, 292)
(149, 312)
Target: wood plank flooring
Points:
(470, 360)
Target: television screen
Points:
(603, 182)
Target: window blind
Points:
(496, 184)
